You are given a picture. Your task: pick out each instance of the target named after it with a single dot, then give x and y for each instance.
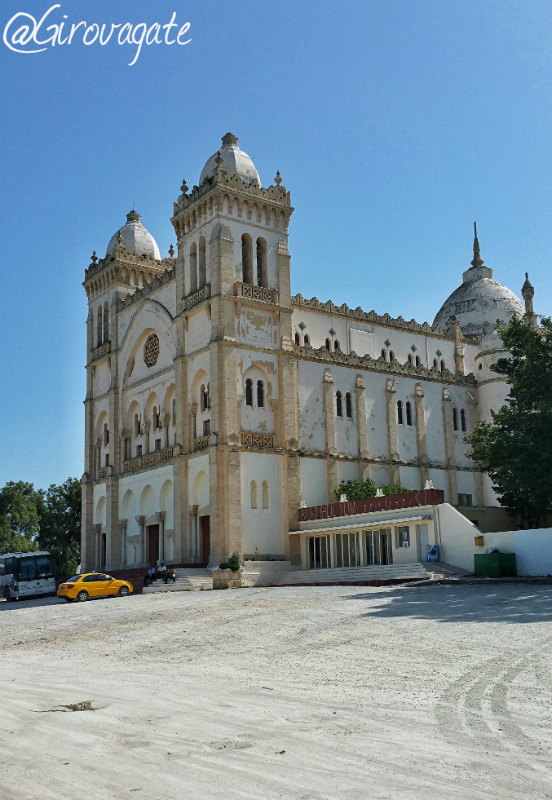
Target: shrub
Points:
(233, 563)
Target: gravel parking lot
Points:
(315, 693)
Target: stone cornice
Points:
(381, 365)
(207, 201)
(314, 304)
(126, 300)
(117, 268)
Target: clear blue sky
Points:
(394, 123)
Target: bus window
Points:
(27, 569)
(43, 567)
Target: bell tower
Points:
(234, 311)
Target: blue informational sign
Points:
(433, 553)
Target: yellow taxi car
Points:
(93, 584)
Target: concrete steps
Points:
(354, 575)
(188, 579)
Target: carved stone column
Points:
(160, 515)
(193, 432)
(147, 429)
(166, 426)
(449, 448)
(141, 520)
(360, 392)
(392, 437)
(454, 327)
(123, 523)
(421, 438)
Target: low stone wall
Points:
(227, 579)
(264, 573)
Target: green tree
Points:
(515, 449)
(20, 505)
(359, 490)
(60, 525)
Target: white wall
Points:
(314, 485)
(262, 528)
(533, 548)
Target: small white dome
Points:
(234, 161)
(480, 301)
(135, 238)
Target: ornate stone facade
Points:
(217, 404)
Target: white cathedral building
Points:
(218, 403)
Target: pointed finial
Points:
(120, 239)
(278, 179)
(528, 292)
(477, 260)
(94, 258)
(219, 159)
(184, 187)
(171, 251)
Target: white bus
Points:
(26, 575)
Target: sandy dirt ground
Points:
(321, 693)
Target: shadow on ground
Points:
(463, 603)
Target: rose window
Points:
(151, 350)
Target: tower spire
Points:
(477, 260)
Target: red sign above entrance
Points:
(425, 497)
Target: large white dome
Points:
(135, 238)
(480, 301)
(234, 161)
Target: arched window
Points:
(105, 434)
(409, 359)
(454, 419)
(136, 425)
(297, 340)
(391, 355)
(418, 361)
(328, 344)
(463, 420)
(99, 327)
(480, 366)
(349, 405)
(336, 344)
(408, 413)
(399, 412)
(106, 322)
(246, 258)
(254, 495)
(155, 416)
(339, 403)
(249, 392)
(193, 267)
(442, 366)
(266, 495)
(260, 394)
(202, 263)
(262, 279)
(435, 364)
(306, 339)
(384, 354)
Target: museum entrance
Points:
(153, 543)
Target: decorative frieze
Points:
(381, 365)
(201, 443)
(314, 304)
(150, 459)
(256, 292)
(102, 473)
(101, 351)
(257, 440)
(197, 297)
